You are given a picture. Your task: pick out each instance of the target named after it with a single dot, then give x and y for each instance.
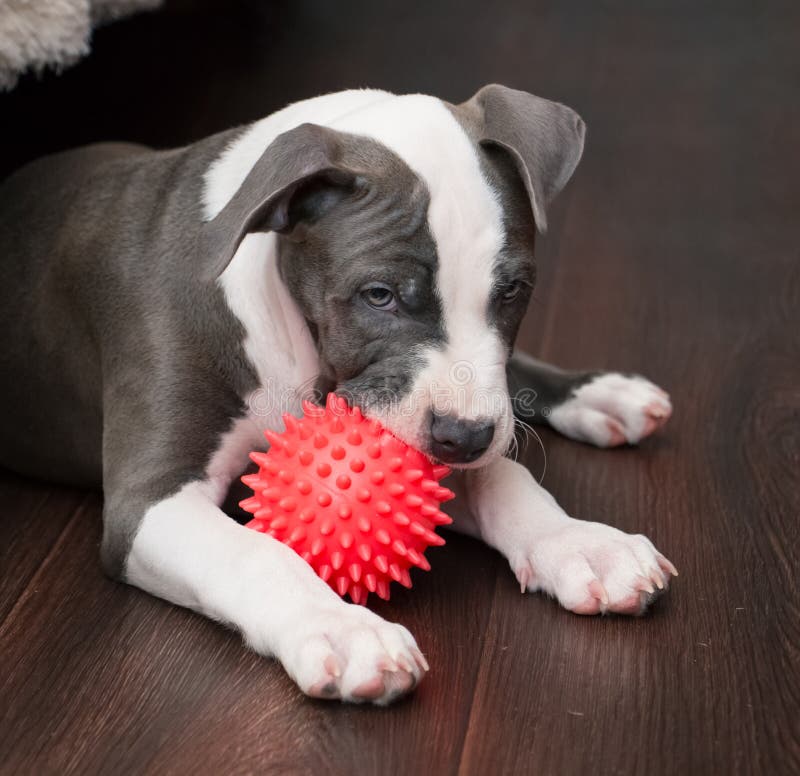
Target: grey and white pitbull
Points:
(160, 309)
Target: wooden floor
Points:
(675, 252)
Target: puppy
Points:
(161, 309)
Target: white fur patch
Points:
(189, 552)
(277, 342)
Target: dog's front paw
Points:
(612, 410)
(592, 568)
(347, 652)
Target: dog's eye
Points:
(380, 297)
(511, 291)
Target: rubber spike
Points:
(290, 423)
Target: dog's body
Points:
(161, 309)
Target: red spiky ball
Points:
(349, 497)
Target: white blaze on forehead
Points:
(464, 213)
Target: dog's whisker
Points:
(513, 448)
(530, 430)
(526, 429)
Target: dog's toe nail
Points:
(597, 590)
(615, 434)
(655, 576)
(332, 666)
(420, 658)
(523, 577)
(666, 565)
(658, 412)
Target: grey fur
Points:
(378, 234)
(544, 138)
(294, 159)
(552, 386)
(127, 364)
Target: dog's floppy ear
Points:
(545, 139)
(298, 176)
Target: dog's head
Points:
(406, 231)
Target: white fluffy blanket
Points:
(35, 34)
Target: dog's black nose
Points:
(456, 440)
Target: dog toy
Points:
(354, 501)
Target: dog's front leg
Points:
(588, 567)
(602, 408)
(186, 550)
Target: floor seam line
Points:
(478, 672)
(42, 566)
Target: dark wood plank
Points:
(33, 517)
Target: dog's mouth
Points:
(443, 438)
